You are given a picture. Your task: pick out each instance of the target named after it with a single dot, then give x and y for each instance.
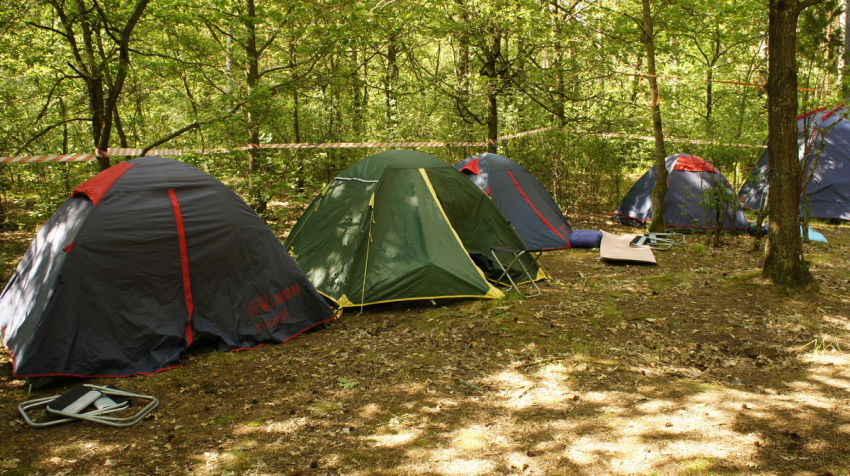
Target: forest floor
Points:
(693, 366)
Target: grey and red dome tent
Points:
(142, 260)
(521, 198)
(823, 138)
(692, 184)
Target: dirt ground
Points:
(694, 366)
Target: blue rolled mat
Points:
(585, 238)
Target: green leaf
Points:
(345, 383)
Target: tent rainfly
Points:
(692, 185)
(823, 139)
(521, 198)
(144, 259)
(401, 225)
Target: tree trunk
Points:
(390, 82)
(784, 263)
(660, 189)
(492, 56)
(2, 205)
(558, 66)
(252, 80)
(844, 69)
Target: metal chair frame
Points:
(535, 254)
(97, 415)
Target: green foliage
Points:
(400, 71)
(346, 383)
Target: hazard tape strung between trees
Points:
(31, 159)
(721, 81)
(113, 152)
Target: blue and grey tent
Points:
(144, 259)
(693, 185)
(823, 139)
(521, 198)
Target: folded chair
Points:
(89, 402)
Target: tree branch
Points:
(194, 125)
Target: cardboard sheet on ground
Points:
(618, 248)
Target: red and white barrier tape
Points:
(47, 158)
(130, 152)
(668, 139)
(362, 145)
(330, 145)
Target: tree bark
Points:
(660, 189)
(252, 78)
(784, 263)
(844, 69)
(493, 52)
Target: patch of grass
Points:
(471, 440)
(607, 416)
(323, 407)
(698, 466)
(611, 314)
(662, 282)
(818, 258)
(695, 247)
(820, 346)
(224, 419)
(738, 278)
(579, 345)
(237, 461)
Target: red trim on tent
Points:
(633, 218)
(733, 227)
(810, 113)
(692, 163)
(524, 196)
(184, 260)
(96, 187)
(472, 166)
(70, 247)
(96, 376)
(825, 116)
(288, 339)
(14, 370)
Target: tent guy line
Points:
(110, 152)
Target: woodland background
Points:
(77, 75)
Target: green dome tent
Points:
(401, 225)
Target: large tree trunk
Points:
(784, 263)
(660, 190)
(492, 53)
(252, 80)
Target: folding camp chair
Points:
(89, 402)
(658, 241)
(517, 254)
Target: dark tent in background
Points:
(401, 225)
(142, 260)
(521, 198)
(692, 184)
(823, 138)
